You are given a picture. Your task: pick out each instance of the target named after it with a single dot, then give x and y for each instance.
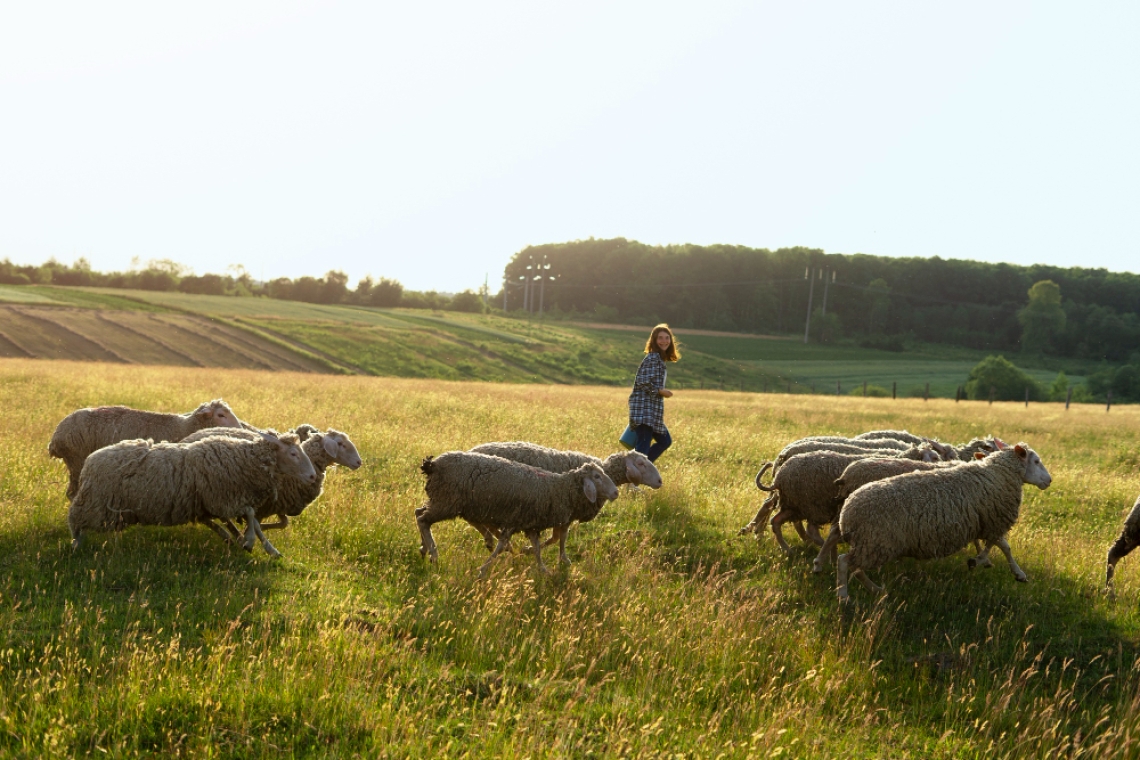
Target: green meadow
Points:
(669, 636)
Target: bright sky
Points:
(430, 141)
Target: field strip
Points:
(240, 338)
(20, 349)
(153, 338)
(293, 344)
(65, 328)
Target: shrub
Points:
(1007, 382)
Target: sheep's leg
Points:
(561, 532)
(813, 534)
(827, 550)
(252, 530)
(983, 558)
(761, 516)
(1018, 573)
(229, 538)
(1122, 547)
(535, 537)
(841, 578)
(427, 540)
(1109, 571)
(778, 529)
(504, 542)
(871, 585)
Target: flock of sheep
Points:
(887, 493)
(133, 467)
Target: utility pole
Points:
(826, 280)
(811, 290)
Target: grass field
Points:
(669, 636)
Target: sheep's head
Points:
(596, 484)
(291, 458)
(342, 451)
(640, 471)
(1035, 472)
(216, 413)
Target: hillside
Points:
(178, 329)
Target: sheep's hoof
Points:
(816, 568)
(971, 563)
(271, 550)
(746, 529)
(1021, 578)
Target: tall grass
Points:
(669, 636)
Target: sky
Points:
(429, 142)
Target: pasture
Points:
(669, 636)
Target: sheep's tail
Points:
(427, 466)
(767, 466)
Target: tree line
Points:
(166, 275)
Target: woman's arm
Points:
(651, 376)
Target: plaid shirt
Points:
(645, 406)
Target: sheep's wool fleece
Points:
(499, 492)
(556, 460)
(806, 483)
(141, 482)
(935, 513)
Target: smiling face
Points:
(663, 341)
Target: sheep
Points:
(863, 471)
(142, 482)
(808, 490)
(896, 435)
(85, 430)
(1128, 539)
(934, 514)
(322, 449)
(508, 496)
(806, 445)
(621, 467)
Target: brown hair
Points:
(670, 354)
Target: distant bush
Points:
(876, 391)
(466, 301)
(1007, 382)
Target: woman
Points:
(647, 402)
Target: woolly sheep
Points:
(864, 471)
(896, 435)
(85, 430)
(804, 487)
(621, 467)
(934, 514)
(508, 496)
(146, 483)
(322, 449)
(1128, 539)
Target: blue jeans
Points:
(645, 435)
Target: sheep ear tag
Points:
(329, 446)
(590, 490)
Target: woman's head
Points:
(661, 340)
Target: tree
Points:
(1042, 317)
(466, 301)
(1007, 381)
(385, 293)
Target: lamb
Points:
(934, 514)
(85, 430)
(508, 496)
(1128, 540)
(622, 467)
(146, 483)
(322, 449)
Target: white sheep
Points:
(85, 430)
(897, 435)
(322, 449)
(622, 467)
(934, 514)
(139, 482)
(507, 496)
(1128, 540)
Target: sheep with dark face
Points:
(507, 496)
(139, 482)
(934, 514)
(86, 430)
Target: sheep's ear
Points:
(1000, 444)
(633, 470)
(1021, 451)
(979, 455)
(590, 490)
(329, 444)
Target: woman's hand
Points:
(665, 393)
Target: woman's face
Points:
(663, 341)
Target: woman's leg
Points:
(644, 438)
(664, 441)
